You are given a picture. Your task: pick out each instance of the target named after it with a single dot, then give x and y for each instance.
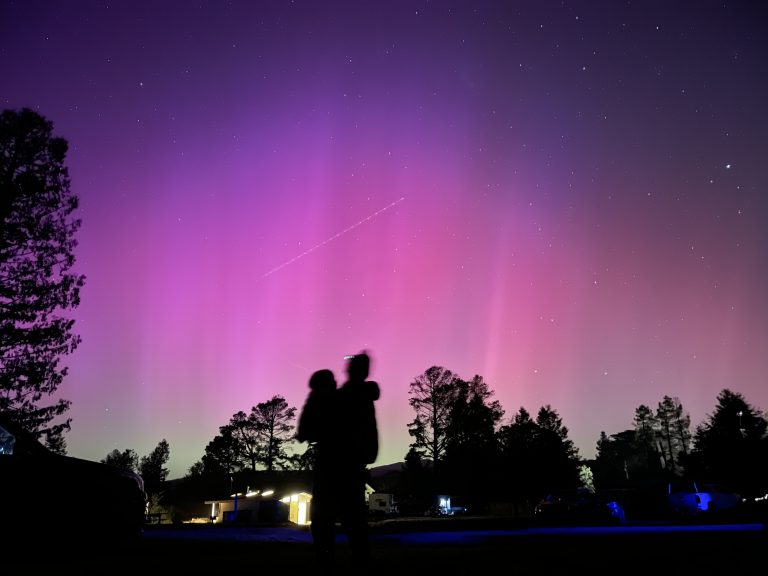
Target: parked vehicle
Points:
(444, 507)
(57, 497)
(579, 506)
(693, 500)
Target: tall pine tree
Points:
(37, 283)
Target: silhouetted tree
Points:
(247, 434)
(305, 460)
(127, 459)
(249, 440)
(416, 494)
(431, 397)
(650, 458)
(152, 466)
(37, 284)
(197, 469)
(557, 459)
(212, 475)
(731, 447)
(471, 452)
(221, 454)
(275, 422)
(153, 471)
(673, 431)
(614, 459)
(517, 442)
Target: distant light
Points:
(267, 492)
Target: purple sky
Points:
(565, 198)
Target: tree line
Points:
(462, 445)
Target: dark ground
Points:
(471, 547)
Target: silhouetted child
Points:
(316, 427)
(318, 407)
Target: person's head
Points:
(358, 366)
(322, 380)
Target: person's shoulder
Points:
(372, 389)
(368, 390)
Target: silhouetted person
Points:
(357, 445)
(316, 426)
(346, 439)
(313, 421)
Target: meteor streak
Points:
(326, 241)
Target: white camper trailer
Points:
(382, 504)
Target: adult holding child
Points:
(341, 423)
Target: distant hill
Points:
(379, 471)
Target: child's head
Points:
(358, 366)
(322, 380)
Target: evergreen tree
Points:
(673, 432)
(152, 467)
(416, 496)
(37, 282)
(731, 447)
(614, 459)
(557, 457)
(220, 456)
(471, 454)
(153, 471)
(127, 459)
(651, 459)
(517, 443)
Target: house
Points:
(256, 507)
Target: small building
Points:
(248, 508)
(256, 507)
(298, 507)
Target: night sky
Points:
(565, 198)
